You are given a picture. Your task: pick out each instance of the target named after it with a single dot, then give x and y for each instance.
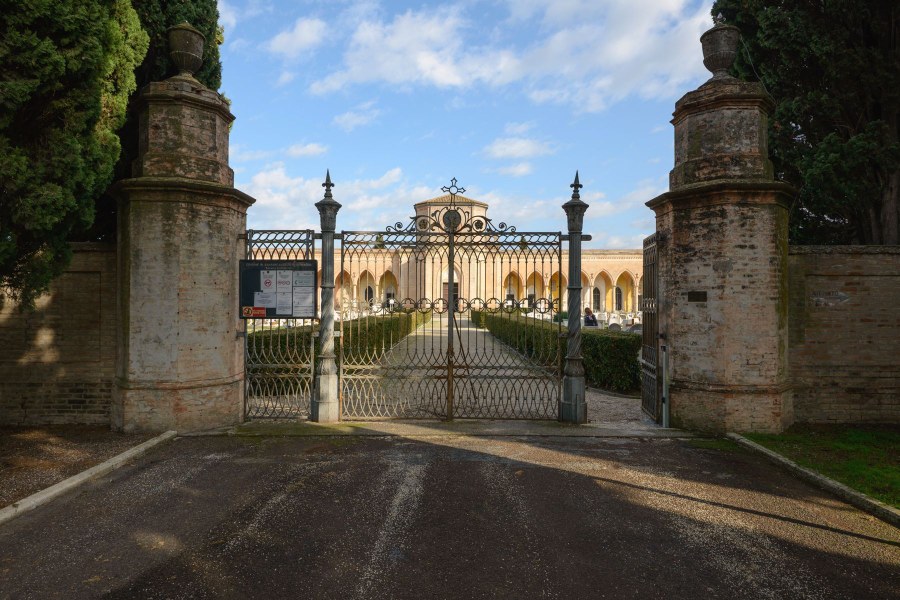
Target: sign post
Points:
(278, 289)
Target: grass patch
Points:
(865, 458)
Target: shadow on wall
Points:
(58, 361)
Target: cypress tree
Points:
(66, 72)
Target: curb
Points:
(44, 496)
(886, 513)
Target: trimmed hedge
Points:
(536, 340)
(610, 357)
(371, 335)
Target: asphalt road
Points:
(447, 517)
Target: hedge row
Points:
(537, 340)
(372, 335)
(610, 357)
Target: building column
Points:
(180, 357)
(723, 257)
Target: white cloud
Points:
(285, 78)
(517, 147)
(303, 37)
(238, 153)
(517, 170)
(359, 116)
(417, 48)
(286, 202)
(230, 15)
(625, 242)
(581, 53)
(518, 128)
(227, 15)
(311, 149)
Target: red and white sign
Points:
(253, 311)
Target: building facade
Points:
(384, 273)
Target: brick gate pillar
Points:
(180, 361)
(723, 241)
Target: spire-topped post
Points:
(325, 407)
(573, 409)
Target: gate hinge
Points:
(240, 334)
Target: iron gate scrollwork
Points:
(450, 316)
(650, 380)
(278, 353)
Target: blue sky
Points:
(508, 96)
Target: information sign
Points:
(279, 289)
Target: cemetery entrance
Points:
(449, 316)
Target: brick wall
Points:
(57, 363)
(844, 333)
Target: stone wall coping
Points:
(197, 188)
(181, 90)
(715, 95)
(799, 250)
(713, 193)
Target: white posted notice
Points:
(284, 303)
(265, 299)
(304, 279)
(283, 281)
(304, 301)
(267, 282)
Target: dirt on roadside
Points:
(33, 458)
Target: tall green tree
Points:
(156, 17)
(66, 72)
(833, 68)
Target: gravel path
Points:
(448, 517)
(34, 458)
(491, 380)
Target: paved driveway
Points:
(447, 516)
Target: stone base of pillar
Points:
(161, 407)
(720, 409)
(572, 408)
(325, 407)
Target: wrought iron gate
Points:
(650, 381)
(279, 355)
(450, 316)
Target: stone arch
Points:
(557, 289)
(624, 293)
(512, 286)
(343, 288)
(603, 289)
(366, 288)
(586, 291)
(388, 287)
(534, 287)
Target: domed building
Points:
(409, 263)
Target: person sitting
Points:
(589, 319)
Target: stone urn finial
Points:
(720, 45)
(186, 48)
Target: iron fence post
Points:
(325, 407)
(573, 409)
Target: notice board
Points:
(279, 289)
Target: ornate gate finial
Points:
(453, 190)
(328, 185)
